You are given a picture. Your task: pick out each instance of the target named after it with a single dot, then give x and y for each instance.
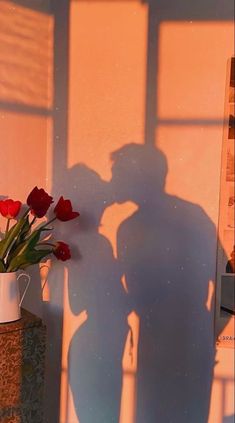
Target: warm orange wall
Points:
(107, 80)
(192, 79)
(25, 97)
(106, 110)
(21, 169)
(25, 106)
(192, 75)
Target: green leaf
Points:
(28, 243)
(32, 240)
(10, 237)
(6, 238)
(2, 267)
(25, 230)
(19, 241)
(27, 258)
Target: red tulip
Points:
(9, 208)
(62, 251)
(63, 210)
(39, 202)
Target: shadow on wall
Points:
(166, 251)
(96, 350)
(229, 419)
(184, 10)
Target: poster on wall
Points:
(225, 281)
(230, 163)
(232, 81)
(230, 207)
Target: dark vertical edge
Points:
(61, 73)
(53, 310)
(151, 76)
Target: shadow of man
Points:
(166, 250)
(96, 349)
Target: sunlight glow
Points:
(222, 397)
(190, 93)
(71, 323)
(26, 44)
(129, 364)
(211, 291)
(107, 80)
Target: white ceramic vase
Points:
(10, 301)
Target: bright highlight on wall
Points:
(26, 52)
(190, 98)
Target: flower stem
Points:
(8, 225)
(52, 220)
(49, 222)
(25, 214)
(31, 224)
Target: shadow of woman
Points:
(96, 349)
(167, 251)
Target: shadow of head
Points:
(137, 170)
(91, 195)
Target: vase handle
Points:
(27, 285)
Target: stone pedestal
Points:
(22, 361)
